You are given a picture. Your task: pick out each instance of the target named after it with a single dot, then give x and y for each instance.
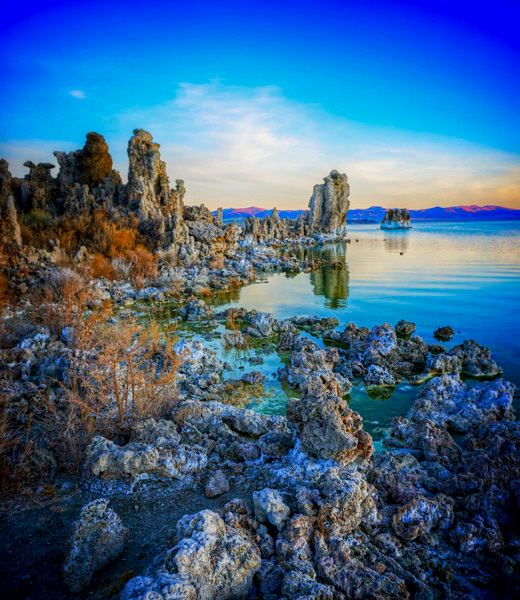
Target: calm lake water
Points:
(466, 275)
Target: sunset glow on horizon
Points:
(256, 106)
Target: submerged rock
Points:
(444, 333)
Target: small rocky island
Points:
(396, 218)
(132, 465)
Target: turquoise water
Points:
(466, 275)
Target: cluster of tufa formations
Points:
(86, 182)
(131, 446)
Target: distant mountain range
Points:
(237, 214)
(376, 213)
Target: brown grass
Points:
(63, 304)
(16, 452)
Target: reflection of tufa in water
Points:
(396, 218)
(331, 283)
(397, 241)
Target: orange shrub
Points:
(122, 240)
(101, 267)
(144, 265)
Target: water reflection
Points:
(333, 284)
(397, 241)
(329, 281)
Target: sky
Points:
(254, 103)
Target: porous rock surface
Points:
(212, 561)
(98, 537)
(329, 205)
(448, 401)
(396, 218)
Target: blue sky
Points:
(253, 103)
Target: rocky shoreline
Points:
(132, 465)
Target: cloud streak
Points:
(80, 94)
(237, 146)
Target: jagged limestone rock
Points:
(148, 188)
(396, 218)
(270, 228)
(10, 237)
(37, 190)
(329, 205)
(213, 561)
(97, 538)
(90, 166)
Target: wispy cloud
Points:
(241, 146)
(78, 94)
(237, 146)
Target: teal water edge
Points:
(466, 275)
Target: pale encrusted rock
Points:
(378, 376)
(213, 561)
(421, 515)
(270, 506)
(329, 205)
(107, 460)
(396, 218)
(200, 368)
(327, 427)
(195, 310)
(448, 401)
(98, 537)
(217, 484)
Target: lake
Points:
(466, 275)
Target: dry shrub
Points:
(63, 304)
(116, 243)
(121, 267)
(102, 267)
(144, 265)
(16, 452)
(235, 283)
(133, 378)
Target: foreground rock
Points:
(449, 402)
(97, 538)
(212, 561)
